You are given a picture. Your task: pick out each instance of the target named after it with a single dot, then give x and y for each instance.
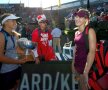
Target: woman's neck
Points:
(81, 28)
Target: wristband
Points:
(35, 52)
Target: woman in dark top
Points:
(83, 60)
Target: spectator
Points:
(23, 32)
(106, 16)
(56, 33)
(101, 17)
(94, 17)
(43, 38)
(105, 7)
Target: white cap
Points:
(10, 17)
(41, 18)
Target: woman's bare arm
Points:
(5, 59)
(92, 49)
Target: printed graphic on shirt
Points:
(44, 38)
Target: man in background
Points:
(43, 38)
(56, 33)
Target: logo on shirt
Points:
(44, 38)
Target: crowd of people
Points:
(98, 13)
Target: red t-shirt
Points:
(42, 39)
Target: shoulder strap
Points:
(6, 38)
(85, 34)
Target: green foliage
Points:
(70, 34)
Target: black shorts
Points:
(8, 80)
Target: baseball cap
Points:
(41, 18)
(6, 17)
(82, 13)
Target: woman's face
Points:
(11, 24)
(80, 21)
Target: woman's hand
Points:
(37, 61)
(22, 60)
(73, 68)
(85, 75)
(76, 77)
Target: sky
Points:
(36, 3)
